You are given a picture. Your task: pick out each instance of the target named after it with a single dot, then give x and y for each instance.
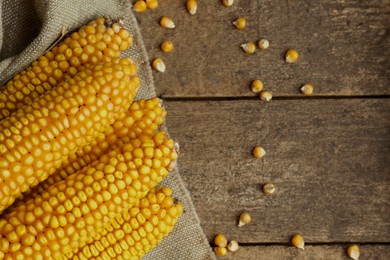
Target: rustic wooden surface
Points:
(328, 155)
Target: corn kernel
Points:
(263, 44)
(192, 6)
(167, 46)
(258, 152)
(268, 188)
(167, 22)
(232, 246)
(265, 95)
(158, 65)
(307, 89)
(227, 3)
(291, 56)
(240, 23)
(353, 252)
(139, 6)
(152, 4)
(257, 86)
(220, 240)
(298, 242)
(244, 219)
(220, 251)
(249, 48)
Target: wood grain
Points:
(335, 252)
(329, 160)
(343, 45)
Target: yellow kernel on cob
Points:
(152, 4)
(122, 233)
(167, 46)
(240, 23)
(66, 206)
(143, 118)
(58, 123)
(192, 6)
(93, 43)
(139, 6)
(167, 22)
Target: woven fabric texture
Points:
(29, 28)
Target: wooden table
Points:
(328, 154)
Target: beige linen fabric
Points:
(29, 27)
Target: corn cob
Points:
(35, 140)
(133, 233)
(69, 213)
(100, 41)
(143, 117)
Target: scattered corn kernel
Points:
(257, 86)
(220, 251)
(240, 23)
(298, 242)
(258, 152)
(139, 6)
(269, 188)
(244, 219)
(233, 246)
(167, 22)
(167, 46)
(263, 44)
(227, 3)
(291, 56)
(265, 95)
(249, 47)
(307, 89)
(158, 65)
(220, 240)
(353, 252)
(192, 6)
(151, 4)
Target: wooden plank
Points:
(334, 252)
(344, 47)
(329, 160)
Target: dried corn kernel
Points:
(101, 40)
(353, 252)
(244, 219)
(268, 188)
(263, 44)
(227, 3)
(142, 118)
(82, 205)
(152, 4)
(240, 23)
(127, 226)
(158, 65)
(233, 246)
(167, 22)
(167, 46)
(249, 48)
(298, 242)
(220, 251)
(291, 56)
(257, 86)
(307, 89)
(265, 95)
(192, 6)
(139, 6)
(258, 152)
(220, 240)
(46, 132)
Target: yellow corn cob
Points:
(100, 41)
(133, 233)
(143, 117)
(35, 140)
(69, 213)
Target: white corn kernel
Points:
(265, 95)
(233, 246)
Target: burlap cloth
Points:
(29, 27)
